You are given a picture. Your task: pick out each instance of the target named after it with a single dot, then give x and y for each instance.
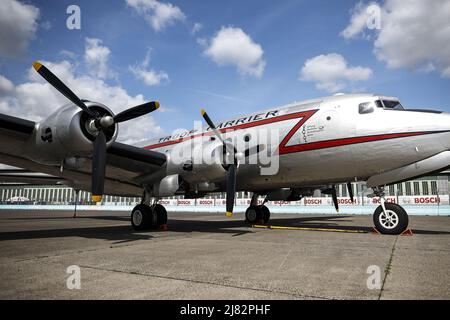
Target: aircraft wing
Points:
(27, 177)
(126, 164)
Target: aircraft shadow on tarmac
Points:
(113, 233)
(322, 222)
(124, 233)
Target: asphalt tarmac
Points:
(209, 256)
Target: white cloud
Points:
(68, 54)
(358, 21)
(414, 34)
(331, 73)
(232, 46)
(35, 99)
(96, 56)
(6, 86)
(196, 28)
(202, 42)
(46, 25)
(149, 76)
(18, 24)
(158, 14)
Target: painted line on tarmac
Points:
(258, 226)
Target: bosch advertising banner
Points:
(322, 201)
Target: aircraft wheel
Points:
(141, 217)
(161, 215)
(265, 213)
(253, 214)
(393, 222)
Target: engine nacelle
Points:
(198, 163)
(65, 134)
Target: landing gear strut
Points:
(145, 216)
(257, 213)
(389, 218)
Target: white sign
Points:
(322, 201)
(186, 202)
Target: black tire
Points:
(253, 214)
(395, 223)
(161, 215)
(141, 217)
(265, 213)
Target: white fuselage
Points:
(323, 141)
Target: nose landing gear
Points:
(389, 218)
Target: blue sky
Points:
(288, 32)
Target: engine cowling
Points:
(202, 162)
(67, 134)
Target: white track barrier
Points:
(415, 205)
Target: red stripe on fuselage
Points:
(305, 115)
(347, 141)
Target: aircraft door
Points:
(329, 124)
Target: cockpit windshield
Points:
(390, 104)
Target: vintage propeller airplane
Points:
(318, 144)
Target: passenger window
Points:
(365, 107)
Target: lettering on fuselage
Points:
(223, 125)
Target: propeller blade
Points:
(207, 119)
(136, 112)
(98, 167)
(213, 127)
(350, 191)
(60, 86)
(335, 199)
(231, 189)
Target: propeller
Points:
(136, 112)
(60, 86)
(332, 190)
(98, 166)
(350, 191)
(232, 163)
(231, 189)
(334, 197)
(97, 124)
(214, 128)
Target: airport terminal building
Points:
(437, 185)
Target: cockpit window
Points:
(389, 104)
(365, 107)
(379, 104)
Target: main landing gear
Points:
(389, 218)
(145, 216)
(257, 213)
